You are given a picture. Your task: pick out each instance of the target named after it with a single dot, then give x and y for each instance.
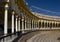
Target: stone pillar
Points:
(45, 24)
(22, 25)
(41, 23)
(32, 25)
(6, 17)
(55, 24)
(52, 24)
(38, 24)
(25, 25)
(19, 24)
(58, 24)
(16, 23)
(35, 24)
(13, 21)
(28, 24)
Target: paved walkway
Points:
(24, 38)
(47, 36)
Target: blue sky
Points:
(49, 5)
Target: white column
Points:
(35, 24)
(32, 24)
(52, 24)
(22, 25)
(13, 22)
(25, 25)
(19, 24)
(38, 23)
(6, 19)
(16, 23)
(55, 24)
(28, 24)
(47, 24)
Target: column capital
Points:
(6, 4)
(52, 21)
(22, 19)
(42, 20)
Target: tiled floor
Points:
(48, 36)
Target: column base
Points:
(23, 31)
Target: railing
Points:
(9, 37)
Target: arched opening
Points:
(45, 25)
(42, 24)
(53, 25)
(50, 25)
(39, 24)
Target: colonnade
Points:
(18, 19)
(22, 21)
(49, 24)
